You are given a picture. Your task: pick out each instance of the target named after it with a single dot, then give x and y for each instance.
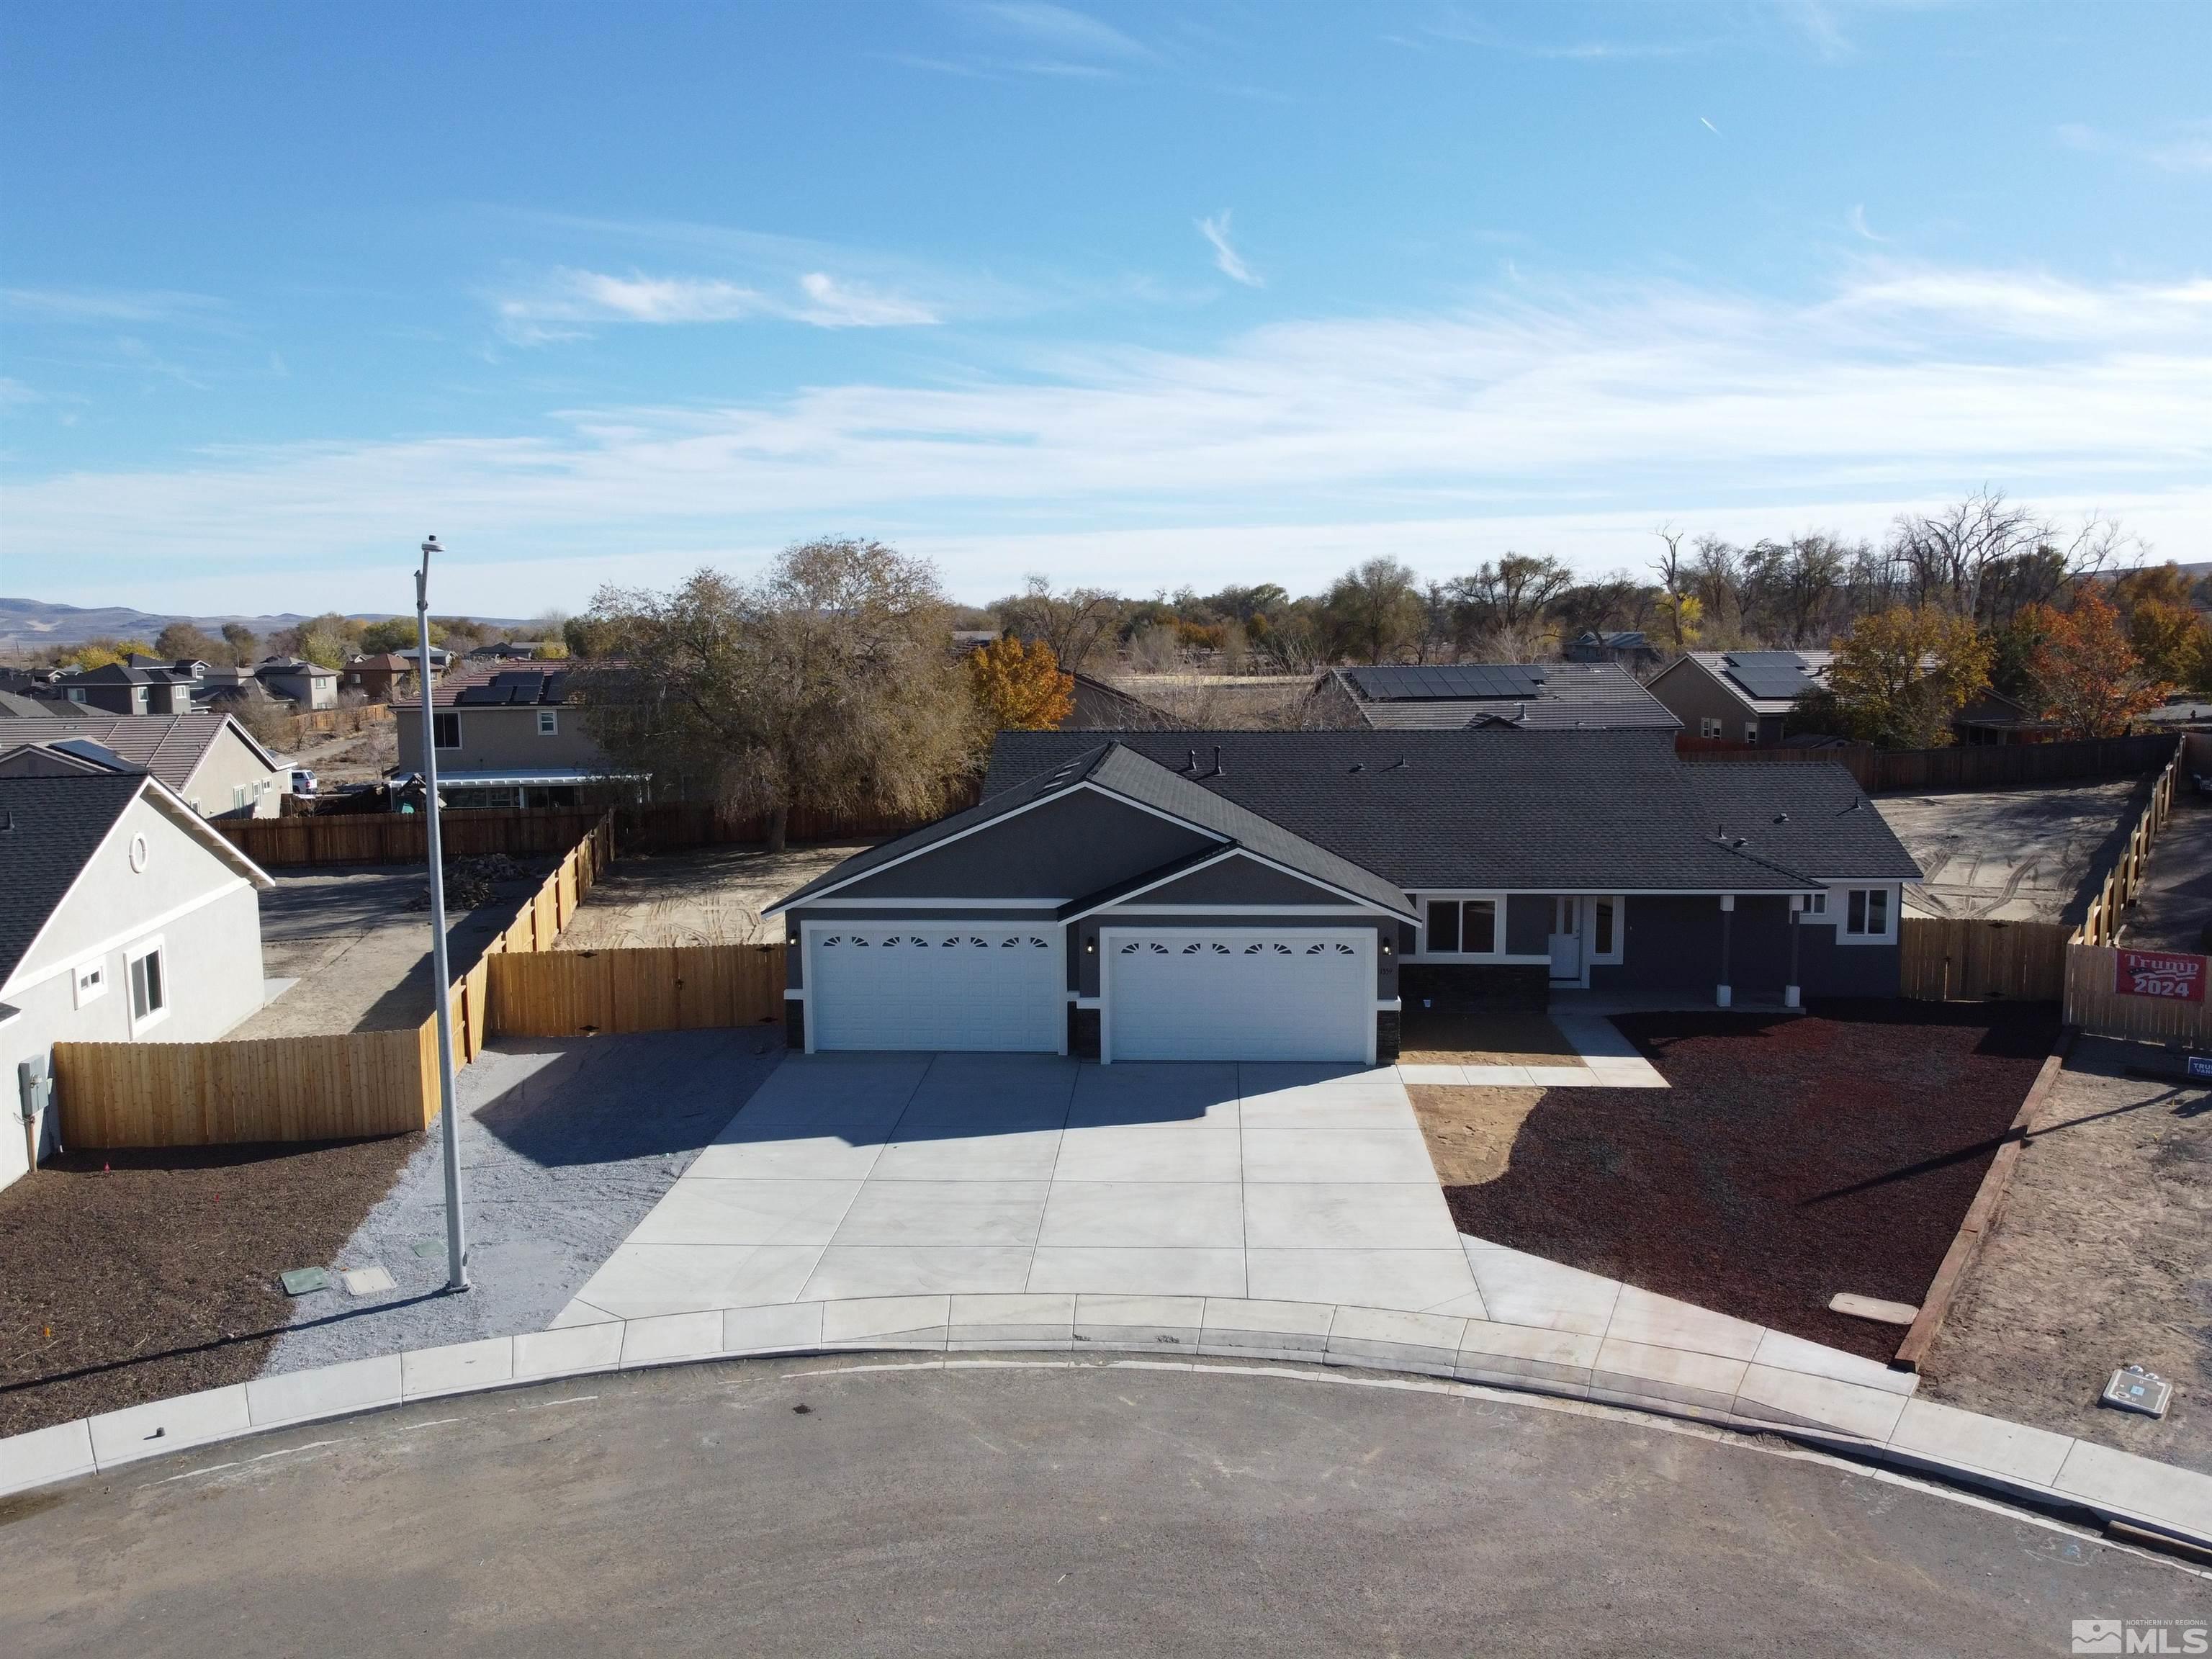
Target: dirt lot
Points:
(706, 896)
(158, 1276)
(2103, 1255)
(362, 756)
(1472, 1036)
(2013, 854)
(1791, 1158)
(2172, 911)
(354, 938)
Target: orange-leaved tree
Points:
(2090, 678)
(2172, 641)
(1020, 688)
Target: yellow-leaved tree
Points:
(1020, 688)
(1901, 674)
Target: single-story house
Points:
(1098, 705)
(1275, 894)
(125, 917)
(1739, 696)
(210, 760)
(1530, 696)
(506, 737)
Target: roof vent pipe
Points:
(1190, 761)
(1217, 760)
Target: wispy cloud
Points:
(1226, 259)
(1859, 224)
(108, 305)
(568, 303)
(1469, 32)
(2185, 147)
(1059, 28)
(1904, 385)
(1820, 28)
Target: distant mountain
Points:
(35, 625)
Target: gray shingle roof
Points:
(1759, 677)
(55, 825)
(1571, 696)
(170, 747)
(1120, 770)
(1524, 811)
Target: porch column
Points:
(1789, 991)
(1724, 996)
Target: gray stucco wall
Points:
(211, 957)
(229, 764)
(503, 737)
(1690, 694)
(1065, 849)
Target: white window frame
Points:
(1751, 731)
(132, 956)
(1496, 951)
(89, 980)
(1844, 935)
(1709, 726)
(549, 723)
(1815, 907)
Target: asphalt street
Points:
(1046, 1509)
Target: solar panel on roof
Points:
(1477, 680)
(1750, 659)
(1772, 679)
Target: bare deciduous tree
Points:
(826, 684)
(1075, 624)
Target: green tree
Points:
(398, 634)
(1373, 611)
(1901, 674)
(245, 644)
(824, 685)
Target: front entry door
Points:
(1567, 938)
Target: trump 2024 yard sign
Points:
(2159, 974)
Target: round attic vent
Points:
(137, 855)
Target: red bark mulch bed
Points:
(1790, 1159)
(159, 1276)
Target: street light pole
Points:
(449, 1134)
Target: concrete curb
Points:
(1787, 1388)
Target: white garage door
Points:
(1239, 993)
(936, 985)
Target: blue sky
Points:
(1131, 294)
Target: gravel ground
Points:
(704, 895)
(2102, 1256)
(2175, 905)
(360, 949)
(130, 1276)
(2015, 855)
(1791, 1158)
(566, 1143)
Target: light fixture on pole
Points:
(449, 1134)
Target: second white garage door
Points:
(1238, 994)
(936, 985)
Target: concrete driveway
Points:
(896, 1174)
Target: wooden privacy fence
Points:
(308, 1088)
(1952, 959)
(680, 988)
(2096, 1005)
(2124, 879)
(1966, 766)
(210, 1094)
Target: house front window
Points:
(1466, 927)
(549, 723)
(1866, 914)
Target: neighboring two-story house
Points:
(1739, 696)
(121, 688)
(508, 737)
(212, 761)
(307, 686)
